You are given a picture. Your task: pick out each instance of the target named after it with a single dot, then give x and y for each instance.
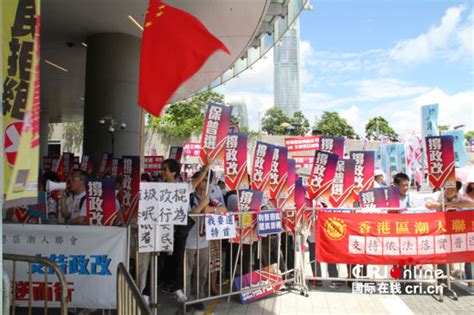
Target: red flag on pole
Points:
(175, 45)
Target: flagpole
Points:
(142, 142)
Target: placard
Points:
(220, 226)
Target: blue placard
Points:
(269, 222)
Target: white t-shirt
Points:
(73, 206)
(197, 235)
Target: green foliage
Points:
(184, 118)
(249, 132)
(275, 121)
(331, 124)
(469, 135)
(301, 123)
(379, 126)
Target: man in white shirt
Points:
(75, 209)
(378, 178)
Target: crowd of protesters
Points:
(200, 257)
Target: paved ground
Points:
(338, 300)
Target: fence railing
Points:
(129, 298)
(37, 260)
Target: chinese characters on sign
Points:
(332, 145)
(302, 143)
(235, 161)
(152, 164)
(155, 238)
(269, 222)
(440, 152)
(215, 129)
(262, 163)
(220, 226)
(322, 174)
(163, 203)
(101, 202)
(364, 170)
(355, 238)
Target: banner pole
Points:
(142, 142)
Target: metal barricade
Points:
(44, 261)
(276, 250)
(129, 298)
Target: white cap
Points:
(379, 172)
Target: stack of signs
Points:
(220, 226)
(384, 197)
(266, 276)
(161, 206)
(249, 200)
(269, 222)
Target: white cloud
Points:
(438, 41)
(352, 116)
(382, 88)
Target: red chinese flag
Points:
(175, 45)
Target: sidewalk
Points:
(326, 300)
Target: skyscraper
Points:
(287, 72)
(239, 110)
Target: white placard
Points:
(163, 203)
(155, 238)
(220, 226)
(87, 255)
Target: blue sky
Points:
(368, 58)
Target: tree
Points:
(331, 124)
(469, 135)
(275, 121)
(379, 126)
(301, 123)
(182, 119)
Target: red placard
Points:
(278, 173)
(214, 133)
(130, 186)
(105, 164)
(101, 202)
(176, 153)
(332, 145)
(364, 171)
(440, 152)
(65, 166)
(386, 239)
(295, 144)
(87, 163)
(153, 163)
(343, 185)
(303, 161)
(262, 163)
(116, 169)
(322, 174)
(235, 161)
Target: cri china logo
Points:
(405, 269)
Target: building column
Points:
(111, 90)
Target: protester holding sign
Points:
(453, 200)
(74, 209)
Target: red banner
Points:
(322, 174)
(386, 239)
(235, 161)
(214, 133)
(343, 185)
(332, 145)
(101, 202)
(364, 171)
(295, 144)
(262, 163)
(440, 152)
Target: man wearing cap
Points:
(378, 178)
